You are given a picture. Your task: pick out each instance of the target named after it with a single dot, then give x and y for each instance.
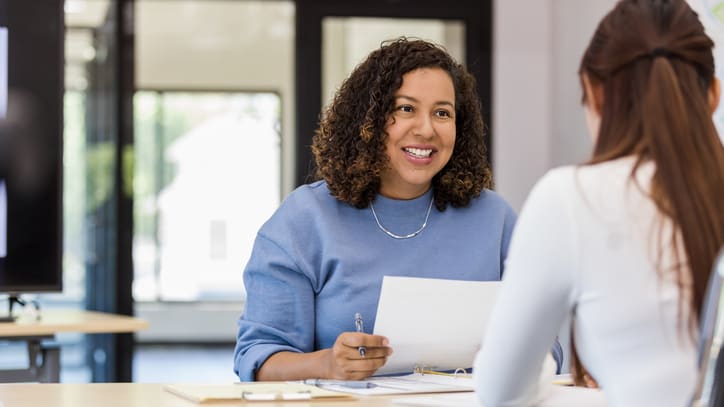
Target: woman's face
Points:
(420, 133)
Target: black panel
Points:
(31, 146)
(123, 369)
(110, 122)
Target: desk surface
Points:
(144, 395)
(137, 395)
(55, 321)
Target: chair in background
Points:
(710, 382)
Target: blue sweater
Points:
(318, 261)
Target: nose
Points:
(424, 126)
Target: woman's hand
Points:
(345, 361)
(342, 361)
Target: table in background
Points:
(34, 331)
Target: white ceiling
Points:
(81, 14)
(85, 13)
(185, 39)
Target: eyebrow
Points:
(412, 99)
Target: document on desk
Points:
(408, 384)
(433, 324)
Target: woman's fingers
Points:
(357, 339)
(370, 353)
(352, 364)
(365, 346)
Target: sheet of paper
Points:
(433, 323)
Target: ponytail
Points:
(688, 183)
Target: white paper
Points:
(3, 220)
(410, 384)
(3, 72)
(433, 323)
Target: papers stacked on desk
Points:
(409, 384)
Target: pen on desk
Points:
(358, 324)
(353, 384)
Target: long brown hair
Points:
(654, 63)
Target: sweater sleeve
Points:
(279, 312)
(534, 300)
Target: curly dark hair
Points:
(349, 145)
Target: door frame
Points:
(476, 14)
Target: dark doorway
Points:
(475, 18)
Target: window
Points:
(207, 175)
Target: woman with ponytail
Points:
(623, 244)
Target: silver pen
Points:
(353, 384)
(358, 325)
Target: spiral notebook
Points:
(434, 324)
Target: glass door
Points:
(213, 113)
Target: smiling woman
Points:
(403, 134)
(420, 133)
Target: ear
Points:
(594, 93)
(714, 94)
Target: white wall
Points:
(537, 118)
(522, 89)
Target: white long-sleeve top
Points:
(585, 245)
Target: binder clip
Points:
(423, 370)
